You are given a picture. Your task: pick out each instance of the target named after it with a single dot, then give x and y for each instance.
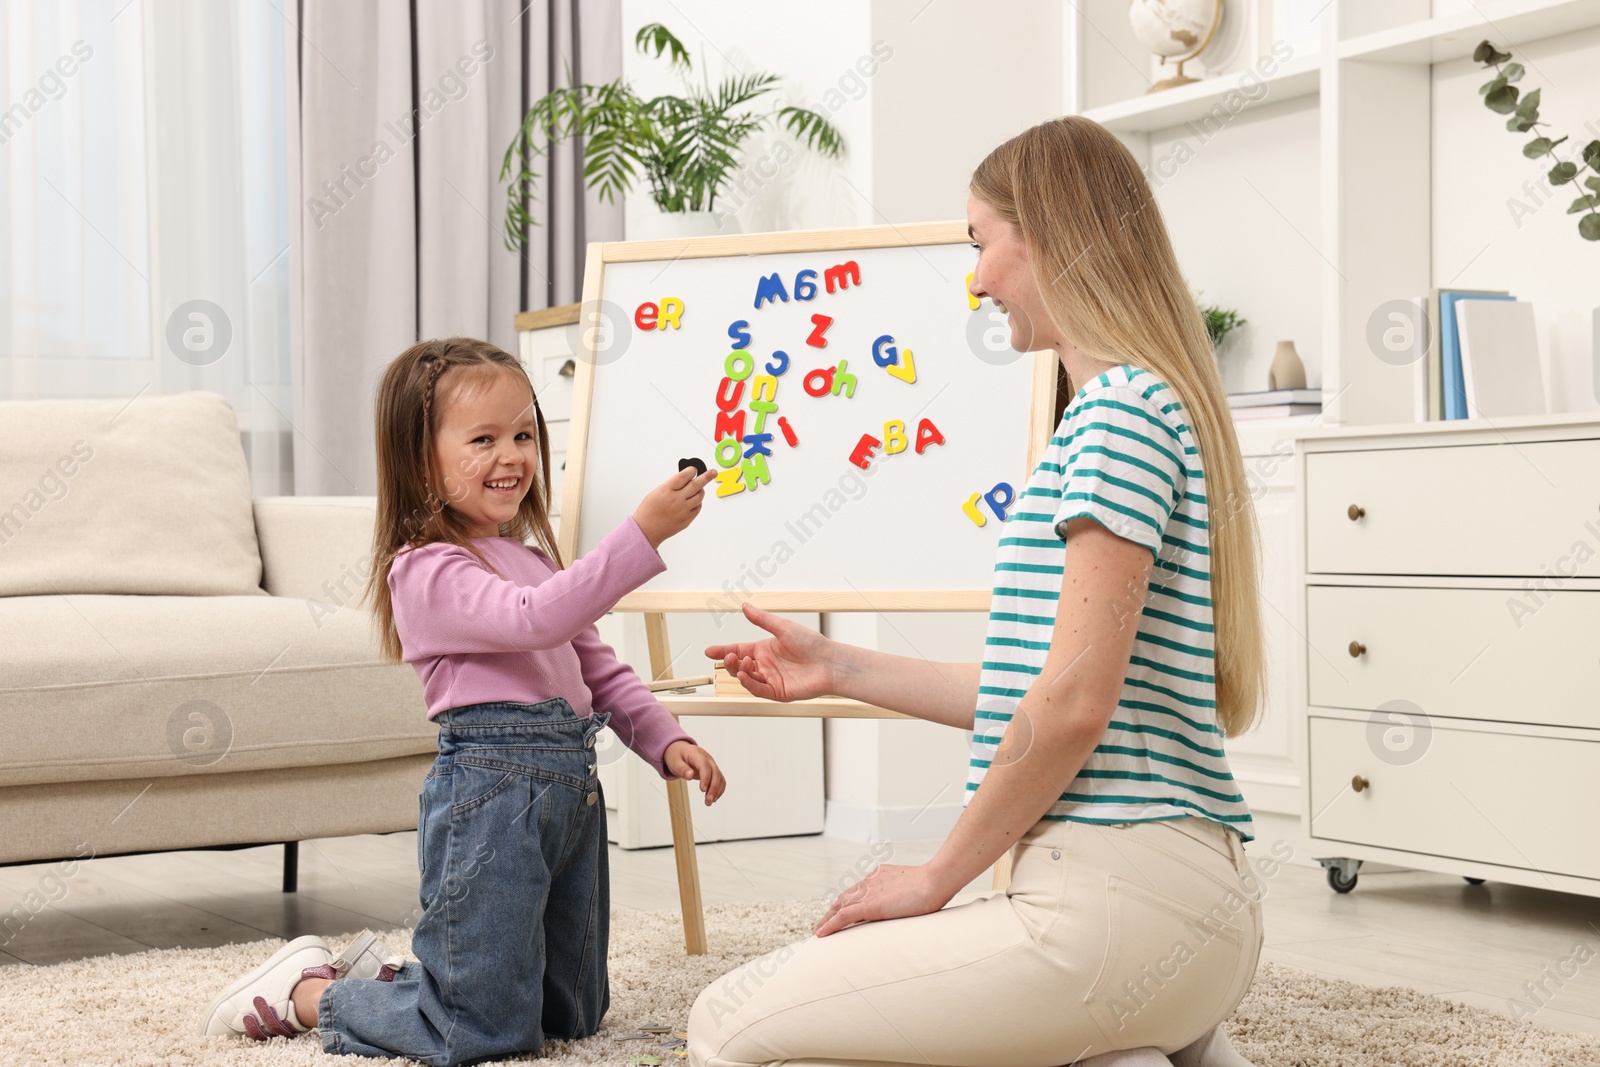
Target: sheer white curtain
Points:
(143, 175)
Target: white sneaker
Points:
(367, 957)
(261, 1004)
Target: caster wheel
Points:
(1473, 881)
(1340, 882)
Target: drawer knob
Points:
(568, 369)
(1356, 648)
(1359, 783)
(1355, 511)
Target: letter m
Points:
(771, 290)
(843, 275)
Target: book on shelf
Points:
(1500, 372)
(1275, 396)
(1275, 411)
(1446, 395)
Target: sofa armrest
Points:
(316, 547)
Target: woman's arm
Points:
(945, 693)
(1056, 726)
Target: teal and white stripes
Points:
(1123, 456)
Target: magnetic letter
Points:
(970, 507)
(770, 290)
(730, 445)
(728, 482)
(996, 504)
(726, 402)
(928, 434)
(729, 424)
(782, 366)
(842, 274)
(972, 301)
(671, 309)
(884, 353)
(805, 285)
(645, 316)
(844, 380)
(863, 450)
(763, 387)
(821, 322)
(907, 370)
(755, 472)
(758, 446)
(788, 431)
(824, 378)
(762, 408)
(737, 359)
(739, 334)
(894, 437)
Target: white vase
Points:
(656, 225)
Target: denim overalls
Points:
(511, 945)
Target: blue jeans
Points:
(511, 945)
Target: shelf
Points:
(1300, 76)
(1505, 24)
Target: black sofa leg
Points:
(291, 866)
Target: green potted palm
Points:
(686, 147)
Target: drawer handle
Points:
(1355, 511)
(1359, 783)
(1356, 648)
(568, 369)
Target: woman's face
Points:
(1004, 275)
(486, 434)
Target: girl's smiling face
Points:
(1004, 275)
(485, 446)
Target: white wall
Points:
(815, 48)
(1242, 206)
(1499, 224)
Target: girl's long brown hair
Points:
(411, 510)
(1110, 281)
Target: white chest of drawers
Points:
(1451, 676)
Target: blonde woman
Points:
(1123, 646)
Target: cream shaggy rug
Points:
(141, 1008)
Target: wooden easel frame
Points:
(654, 604)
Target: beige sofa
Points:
(182, 665)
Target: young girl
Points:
(511, 836)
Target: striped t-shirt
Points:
(1123, 456)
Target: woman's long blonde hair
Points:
(410, 510)
(1108, 277)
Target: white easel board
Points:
(821, 532)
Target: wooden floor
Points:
(1434, 933)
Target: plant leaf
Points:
(1490, 86)
(1536, 147)
(1589, 227)
(1593, 183)
(1586, 202)
(1519, 124)
(1562, 173)
(1502, 100)
(813, 130)
(1529, 103)
(1513, 72)
(1487, 53)
(1591, 154)
(654, 38)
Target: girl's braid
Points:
(436, 366)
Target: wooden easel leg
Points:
(682, 815)
(1002, 871)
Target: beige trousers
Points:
(1109, 937)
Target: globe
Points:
(1172, 27)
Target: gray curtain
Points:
(404, 112)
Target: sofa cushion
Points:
(149, 495)
(103, 687)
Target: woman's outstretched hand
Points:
(890, 891)
(793, 664)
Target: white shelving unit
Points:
(1370, 79)
(1344, 121)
